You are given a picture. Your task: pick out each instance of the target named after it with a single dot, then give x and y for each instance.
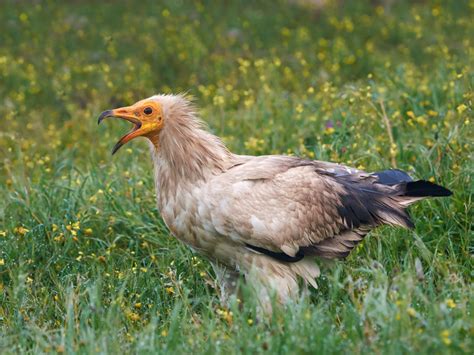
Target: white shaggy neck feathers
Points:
(185, 152)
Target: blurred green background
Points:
(86, 265)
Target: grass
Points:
(86, 264)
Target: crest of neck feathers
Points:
(184, 150)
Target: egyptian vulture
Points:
(268, 217)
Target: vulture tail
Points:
(410, 191)
(413, 191)
(423, 188)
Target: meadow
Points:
(87, 265)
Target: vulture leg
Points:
(226, 282)
(269, 279)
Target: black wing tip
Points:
(423, 188)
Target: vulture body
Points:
(266, 217)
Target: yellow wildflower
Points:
(447, 341)
(23, 17)
(59, 238)
(170, 290)
(450, 303)
(411, 312)
(461, 108)
(421, 120)
(21, 230)
(2, 262)
(226, 315)
(134, 317)
(329, 130)
(218, 100)
(445, 337)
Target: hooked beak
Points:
(128, 114)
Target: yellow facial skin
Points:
(147, 117)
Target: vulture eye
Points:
(147, 110)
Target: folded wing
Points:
(288, 207)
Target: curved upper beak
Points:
(105, 114)
(126, 113)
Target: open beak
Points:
(128, 114)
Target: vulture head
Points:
(147, 118)
(178, 138)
